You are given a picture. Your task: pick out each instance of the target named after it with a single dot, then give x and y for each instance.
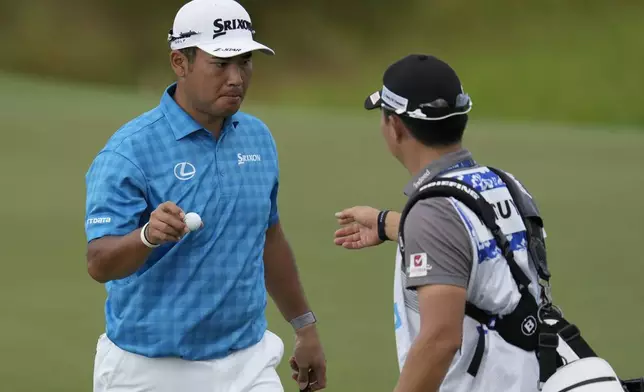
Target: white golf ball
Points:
(193, 221)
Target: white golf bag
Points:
(591, 374)
(577, 368)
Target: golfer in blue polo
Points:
(185, 309)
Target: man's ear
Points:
(179, 63)
(400, 130)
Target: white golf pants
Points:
(248, 370)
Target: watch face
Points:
(303, 320)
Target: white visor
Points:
(230, 48)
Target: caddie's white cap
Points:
(221, 28)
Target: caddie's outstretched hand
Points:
(360, 228)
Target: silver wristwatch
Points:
(302, 321)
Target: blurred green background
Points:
(549, 60)
(556, 102)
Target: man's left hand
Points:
(308, 362)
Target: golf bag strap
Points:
(548, 357)
(533, 224)
(475, 364)
(572, 336)
(634, 384)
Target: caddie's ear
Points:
(400, 130)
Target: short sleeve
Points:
(274, 214)
(437, 245)
(273, 217)
(115, 196)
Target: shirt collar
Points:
(435, 168)
(181, 123)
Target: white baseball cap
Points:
(221, 28)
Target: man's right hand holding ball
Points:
(166, 224)
(117, 257)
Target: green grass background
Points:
(588, 183)
(567, 61)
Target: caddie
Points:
(453, 277)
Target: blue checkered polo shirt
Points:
(203, 297)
